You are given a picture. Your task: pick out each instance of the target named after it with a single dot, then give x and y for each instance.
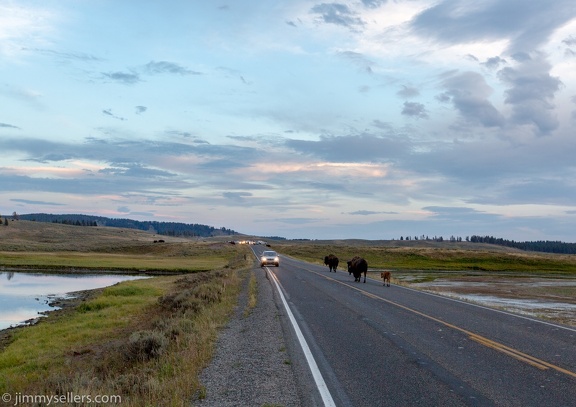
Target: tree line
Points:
(161, 228)
(546, 246)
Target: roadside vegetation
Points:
(252, 294)
(145, 341)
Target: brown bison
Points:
(385, 275)
(357, 266)
(332, 262)
(354, 259)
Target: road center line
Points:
(533, 361)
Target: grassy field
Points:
(147, 340)
(429, 256)
(25, 244)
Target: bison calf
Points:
(385, 275)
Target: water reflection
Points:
(24, 296)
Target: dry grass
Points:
(252, 294)
(440, 256)
(26, 244)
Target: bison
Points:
(357, 266)
(332, 262)
(385, 275)
(354, 259)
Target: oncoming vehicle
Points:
(269, 257)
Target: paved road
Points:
(380, 346)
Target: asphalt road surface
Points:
(371, 345)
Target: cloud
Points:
(8, 126)
(297, 221)
(494, 62)
(408, 92)
(141, 109)
(373, 3)
(29, 96)
(135, 170)
(363, 147)
(531, 93)
(23, 24)
(237, 196)
(413, 109)
(77, 56)
(367, 213)
(527, 25)
(570, 41)
(469, 92)
(358, 59)
(108, 112)
(31, 202)
(161, 67)
(338, 14)
(127, 78)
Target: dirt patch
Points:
(547, 298)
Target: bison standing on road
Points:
(332, 262)
(357, 266)
(354, 259)
(386, 275)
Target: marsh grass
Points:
(136, 343)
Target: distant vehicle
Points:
(269, 257)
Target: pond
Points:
(27, 296)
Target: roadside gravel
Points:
(251, 366)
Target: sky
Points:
(368, 119)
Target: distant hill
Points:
(161, 228)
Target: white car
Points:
(269, 257)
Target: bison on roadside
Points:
(385, 275)
(357, 266)
(332, 262)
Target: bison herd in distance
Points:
(356, 266)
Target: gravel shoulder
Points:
(252, 365)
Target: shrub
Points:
(145, 345)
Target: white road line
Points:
(320, 383)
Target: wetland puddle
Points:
(27, 296)
(553, 299)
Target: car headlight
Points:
(276, 259)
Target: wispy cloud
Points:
(32, 202)
(338, 14)
(161, 67)
(127, 78)
(9, 126)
